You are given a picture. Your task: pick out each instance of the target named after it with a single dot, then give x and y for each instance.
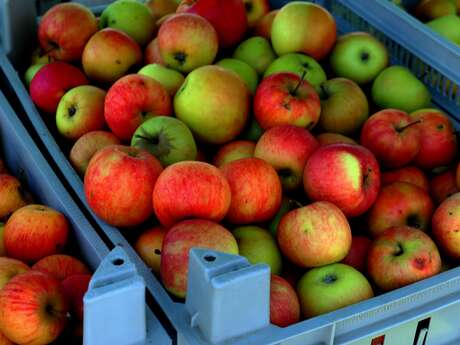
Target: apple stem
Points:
(302, 78)
(408, 125)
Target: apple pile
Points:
(255, 132)
(40, 287)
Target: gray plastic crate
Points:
(115, 300)
(422, 313)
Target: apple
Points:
(131, 17)
(230, 28)
(443, 186)
(357, 254)
(396, 87)
(303, 27)
(328, 288)
(284, 303)
(187, 41)
(391, 135)
(12, 195)
(400, 204)
(4, 340)
(253, 131)
(161, 8)
(263, 27)
(344, 106)
(257, 52)
(334, 138)
(60, 266)
(314, 235)
(447, 27)
(87, 145)
(177, 244)
(167, 138)
(438, 142)
(255, 191)
(214, 103)
(258, 246)
(33, 308)
(286, 99)
(40, 56)
(358, 56)
(287, 205)
(148, 246)
(31, 71)
(431, 9)
(9, 268)
(409, 174)
(134, 172)
(233, 151)
(74, 288)
(445, 225)
(401, 256)
(2, 245)
(244, 71)
(287, 148)
(109, 54)
(170, 79)
(64, 30)
(191, 190)
(255, 10)
(152, 53)
(344, 174)
(51, 82)
(133, 99)
(300, 64)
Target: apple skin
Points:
(286, 206)
(177, 244)
(12, 195)
(161, 8)
(438, 142)
(358, 56)
(109, 54)
(255, 191)
(134, 172)
(74, 288)
(303, 28)
(346, 175)
(230, 28)
(133, 99)
(245, 71)
(167, 138)
(170, 79)
(214, 103)
(287, 149)
(448, 27)
(392, 136)
(357, 254)
(328, 288)
(35, 231)
(284, 99)
(187, 41)
(258, 246)
(51, 82)
(152, 53)
(255, 10)
(284, 303)
(445, 225)
(344, 106)
(64, 30)
(33, 308)
(87, 145)
(60, 266)
(2, 245)
(263, 27)
(401, 256)
(191, 190)
(443, 186)
(410, 174)
(257, 52)
(314, 235)
(400, 204)
(4, 340)
(233, 151)
(334, 138)
(148, 246)
(31, 71)
(428, 10)
(9, 268)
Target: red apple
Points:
(12, 195)
(64, 30)
(286, 99)
(51, 82)
(161, 8)
(400, 256)
(133, 99)
(4, 340)
(357, 255)
(410, 174)
(286, 148)
(9, 268)
(255, 189)
(443, 185)
(33, 308)
(233, 151)
(284, 303)
(346, 175)
(35, 231)
(148, 246)
(74, 288)
(191, 189)
(263, 27)
(60, 266)
(152, 53)
(400, 204)
(445, 226)
(334, 138)
(177, 244)
(255, 10)
(119, 183)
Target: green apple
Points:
(286, 206)
(327, 288)
(258, 246)
(358, 56)
(396, 87)
(256, 52)
(170, 79)
(299, 64)
(31, 71)
(253, 131)
(245, 71)
(448, 27)
(132, 17)
(167, 138)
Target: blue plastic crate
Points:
(421, 313)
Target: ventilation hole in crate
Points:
(118, 262)
(210, 258)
